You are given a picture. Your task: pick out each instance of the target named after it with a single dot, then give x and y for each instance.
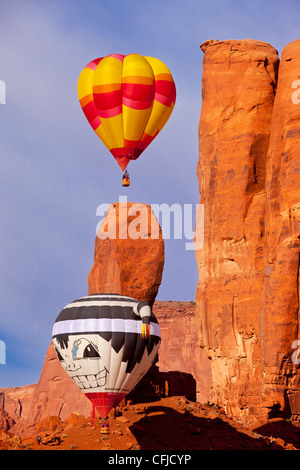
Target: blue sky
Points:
(55, 172)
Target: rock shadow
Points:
(163, 428)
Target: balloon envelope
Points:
(97, 341)
(127, 101)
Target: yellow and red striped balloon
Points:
(127, 101)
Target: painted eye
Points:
(82, 348)
(90, 351)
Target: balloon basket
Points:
(125, 182)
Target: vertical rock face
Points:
(129, 253)
(180, 349)
(280, 300)
(239, 83)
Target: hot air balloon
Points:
(127, 99)
(106, 343)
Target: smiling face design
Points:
(85, 359)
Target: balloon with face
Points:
(106, 343)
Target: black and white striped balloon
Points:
(98, 342)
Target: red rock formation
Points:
(129, 253)
(180, 349)
(170, 423)
(239, 80)
(280, 300)
(247, 296)
(16, 401)
(55, 393)
(6, 421)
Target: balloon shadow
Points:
(281, 429)
(156, 384)
(163, 428)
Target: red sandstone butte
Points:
(129, 253)
(280, 300)
(239, 82)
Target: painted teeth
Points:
(91, 381)
(101, 378)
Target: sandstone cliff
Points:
(280, 296)
(247, 295)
